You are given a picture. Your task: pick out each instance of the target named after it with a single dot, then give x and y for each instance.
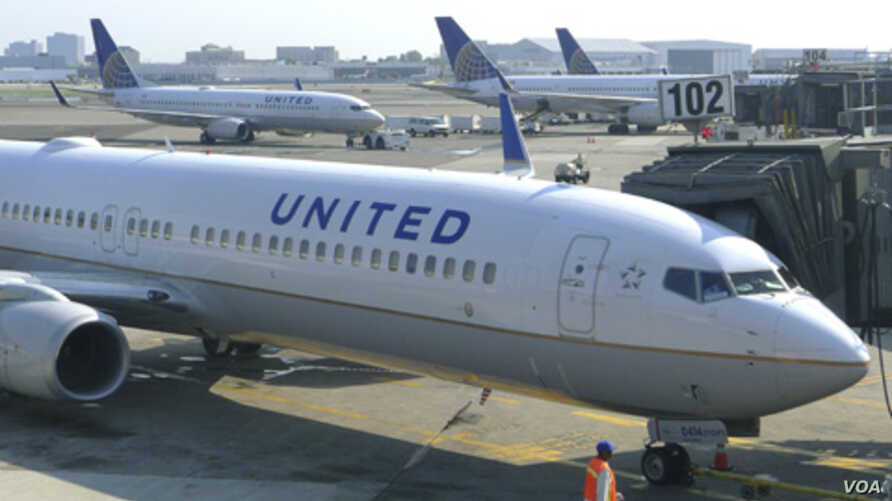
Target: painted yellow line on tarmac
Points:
(413, 384)
(504, 400)
(873, 379)
(879, 467)
(861, 401)
(637, 423)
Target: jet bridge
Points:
(802, 200)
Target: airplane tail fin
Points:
(467, 60)
(113, 67)
(517, 159)
(578, 62)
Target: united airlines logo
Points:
(580, 64)
(412, 222)
(116, 74)
(289, 99)
(470, 64)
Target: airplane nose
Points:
(819, 354)
(376, 119)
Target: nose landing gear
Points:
(667, 464)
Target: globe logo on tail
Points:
(116, 73)
(471, 64)
(580, 64)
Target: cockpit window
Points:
(681, 281)
(757, 282)
(713, 286)
(357, 107)
(788, 277)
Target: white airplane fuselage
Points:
(543, 288)
(261, 109)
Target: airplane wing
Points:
(585, 101)
(445, 88)
(95, 92)
(132, 299)
(174, 117)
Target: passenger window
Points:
(356, 258)
(58, 218)
(195, 234)
(168, 231)
(131, 226)
(376, 259)
(713, 286)
(224, 239)
(69, 218)
(240, 240)
(26, 213)
(109, 221)
(468, 269)
(489, 273)
(393, 263)
(257, 242)
(144, 227)
(304, 249)
(47, 215)
(320, 251)
(94, 221)
(411, 263)
(15, 211)
(449, 268)
(681, 281)
(430, 265)
(288, 247)
(273, 245)
(339, 254)
(156, 228)
(209, 237)
(5, 209)
(81, 219)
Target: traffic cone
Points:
(721, 458)
(484, 394)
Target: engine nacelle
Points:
(646, 114)
(55, 349)
(229, 128)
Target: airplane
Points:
(578, 295)
(578, 63)
(229, 114)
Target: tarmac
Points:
(292, 425)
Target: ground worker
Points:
(600, 484)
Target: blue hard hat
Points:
(606, 445)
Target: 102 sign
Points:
(696, 98)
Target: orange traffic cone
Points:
(721, 458)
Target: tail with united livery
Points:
(113, 67)
(467, 60)
(578, 62)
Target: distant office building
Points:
(306, 54)
(608, 54)
(779, 59)
(702, 56)
(23, 49)
(214, 54)
(42, 62)
(71, 47)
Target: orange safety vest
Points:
(595, 467)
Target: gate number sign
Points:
(696, 98)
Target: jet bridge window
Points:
(58, 217)
(144, 227)
(713, 286)
(356, 257)
(69, 218)
(449, 268)
(81, 219)
(489, 273)
(681, 281)
(468, 269)
(168, 231)
(196, 234)
(224, 239)
(376, 259)
(757, 282)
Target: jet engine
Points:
(229, 128)
(646, 114)
(56, 349)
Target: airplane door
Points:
(130, 231)
(108, 228)
(578, 285)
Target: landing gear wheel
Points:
(412, 132)
(250, 137)
(246, 349)
(216, 347)
(655, 466)
(367, 142)
(349, 142)
(204, 138)
(379, 144)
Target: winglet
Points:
(59, 95)
(578, 62)
(517, 159)
(297, 84)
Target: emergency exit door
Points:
(578, 285)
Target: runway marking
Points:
(637, 423)
(879, 467)
(873, 379)
(861, 401)
(384, 379)
(504, 400)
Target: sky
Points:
(163, 30)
